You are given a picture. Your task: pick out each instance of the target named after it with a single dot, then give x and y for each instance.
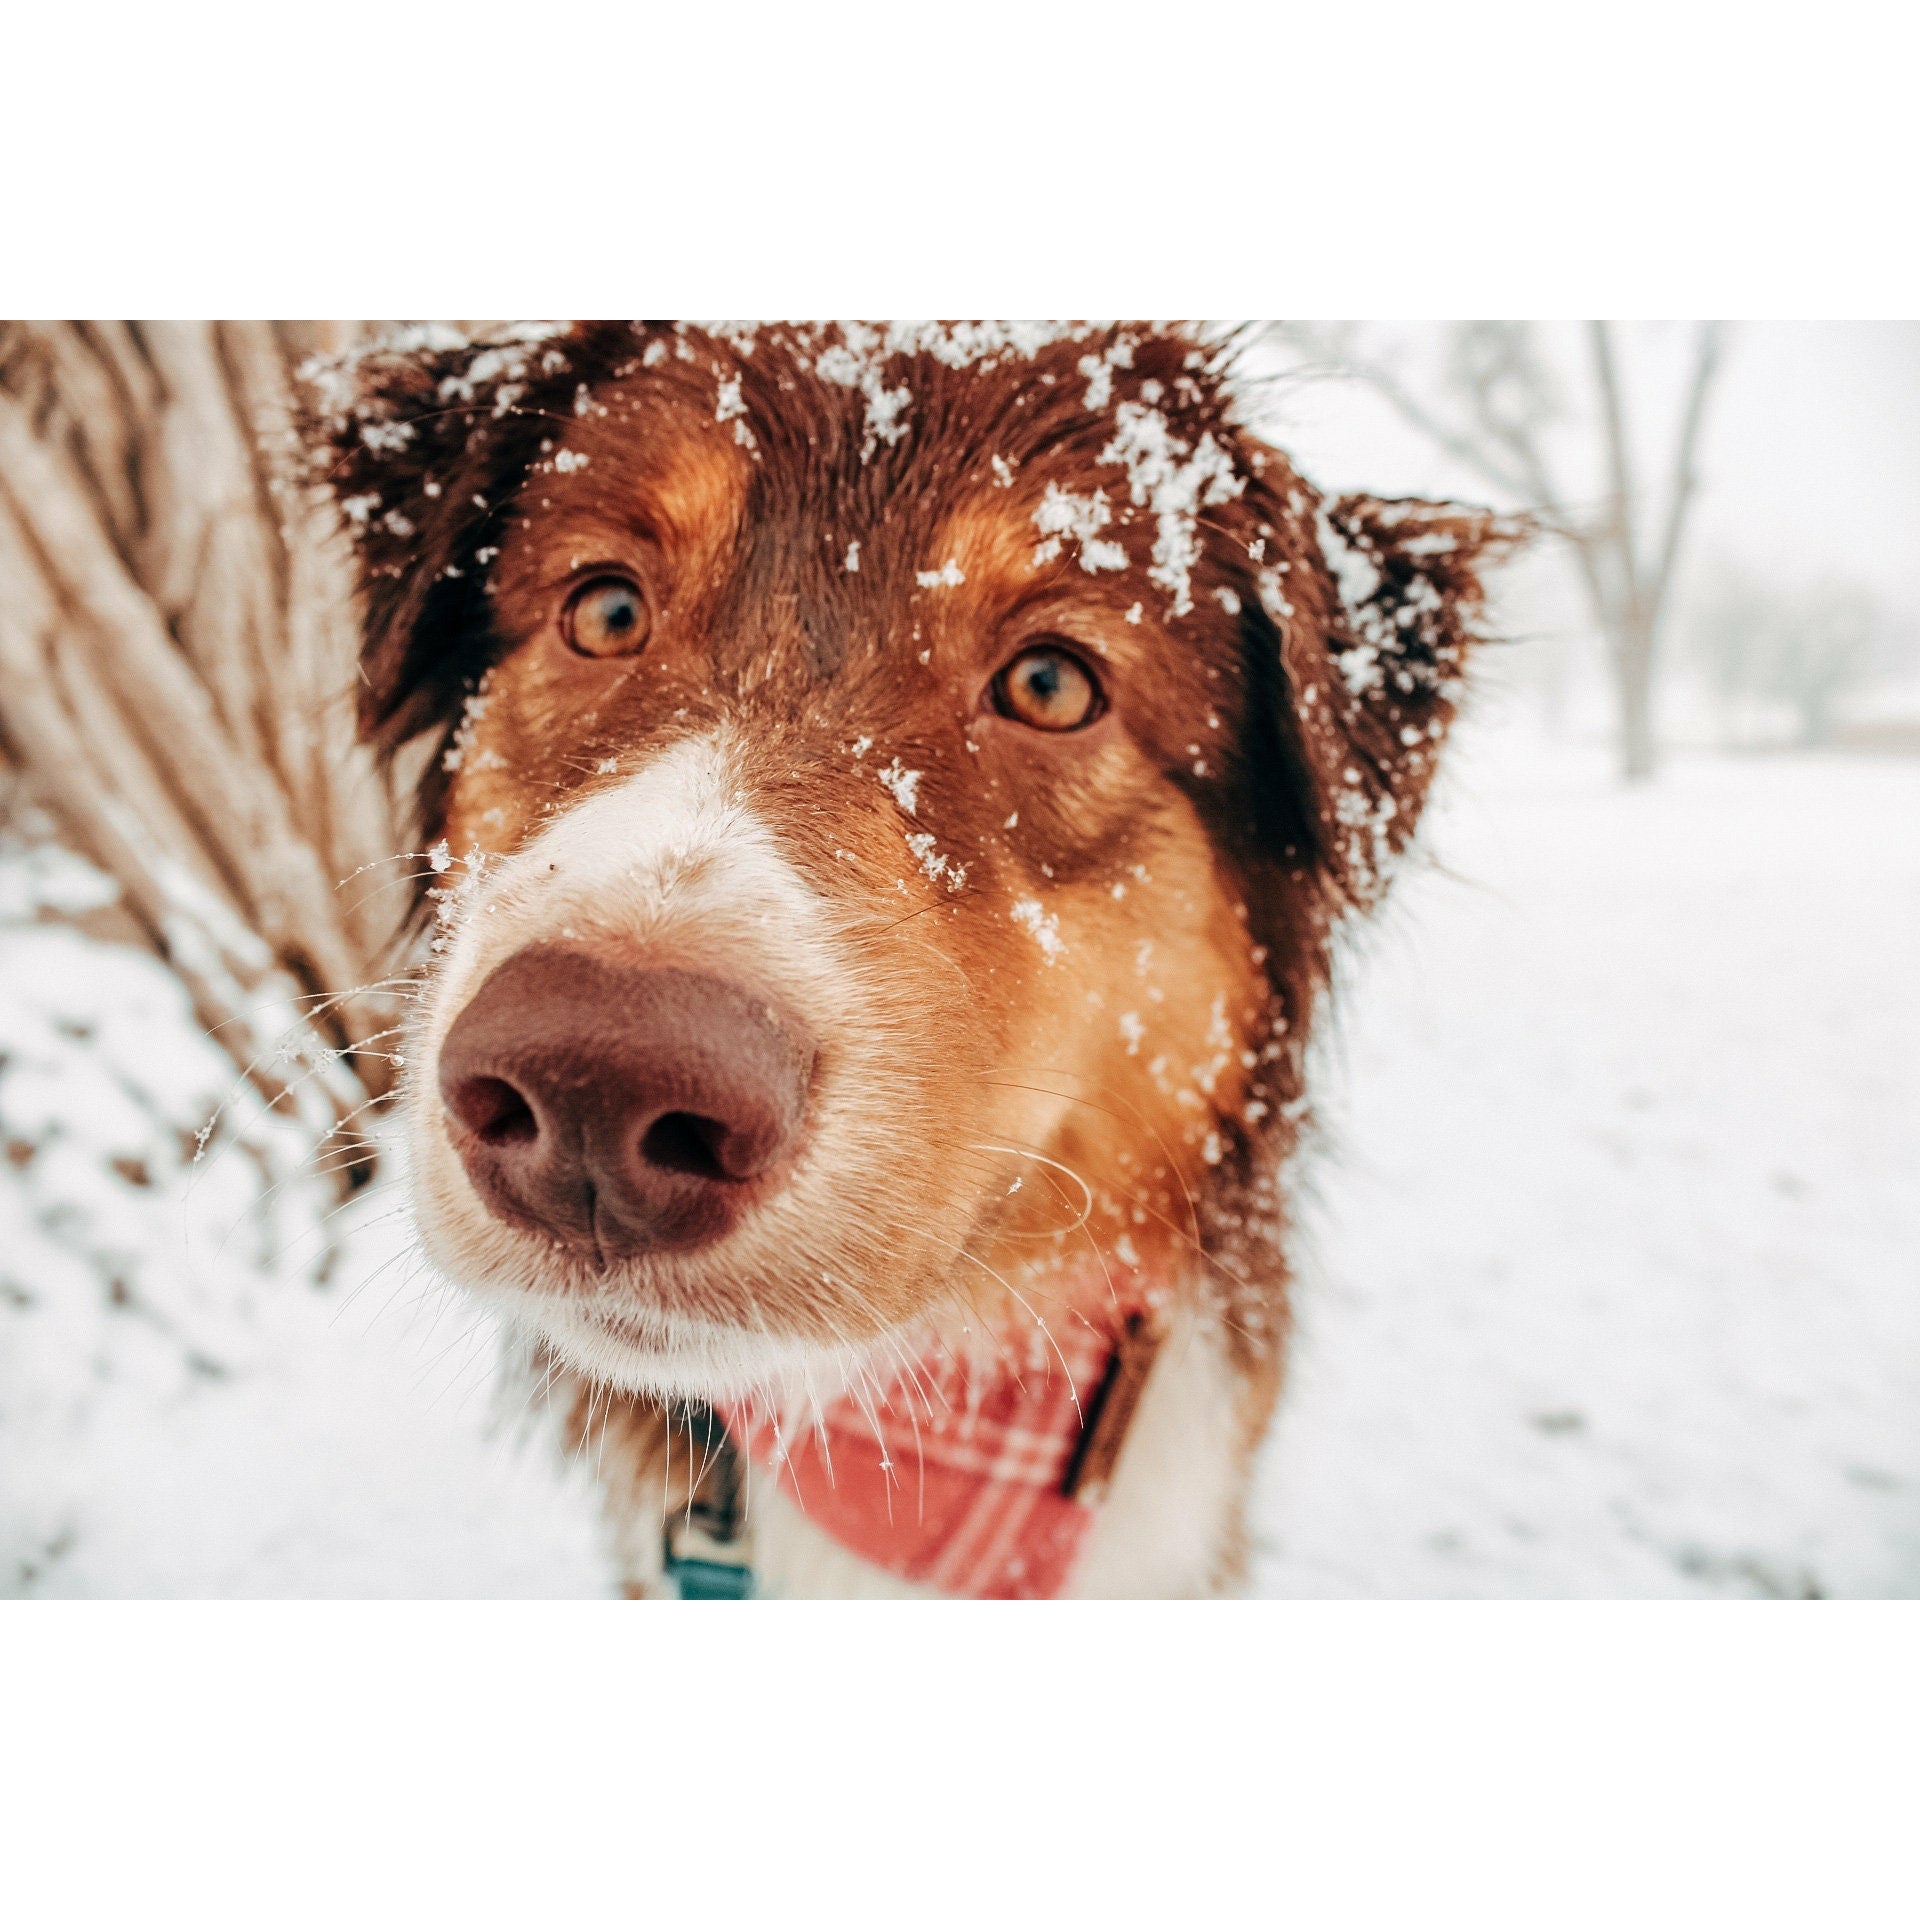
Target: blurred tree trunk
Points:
(1633, 675)
(1632, 600)
(177, 661)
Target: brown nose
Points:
(619, 1108)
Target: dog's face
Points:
(895, 792)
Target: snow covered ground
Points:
(1616, 1287)
(1612, 1283)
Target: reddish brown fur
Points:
(1257, 770)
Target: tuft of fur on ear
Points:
(1364, 615)
(1401, 622)
(423, 438)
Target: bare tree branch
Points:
(1481, 376)
(1619, 451)
(1706, 364)
(1457, 442)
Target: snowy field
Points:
(1610, 1279)
(1613, 1284)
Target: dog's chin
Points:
(665, 1356)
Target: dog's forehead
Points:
(817, 483)
(880, 440)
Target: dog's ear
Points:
(1361, 620)
(423, 440)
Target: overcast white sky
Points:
(1810, 465)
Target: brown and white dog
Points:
(895, 787)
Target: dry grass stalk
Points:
(176, 682)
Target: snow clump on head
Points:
(1079, 517)
(1176, 479)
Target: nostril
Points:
(685, 1143)
(493, 1109)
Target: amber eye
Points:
(1047, 687)
(606, 618)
